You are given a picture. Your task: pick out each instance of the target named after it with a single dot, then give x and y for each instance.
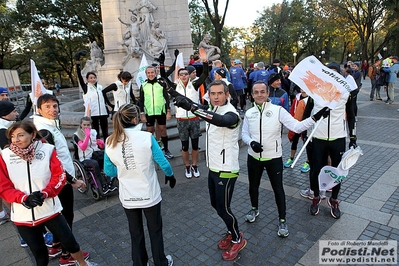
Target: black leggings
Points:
(194, 144)
(33, 236)
(295, 140)
(66, 198)
(221, 192)
(102, 120)
(321, 150)
(93, 165)
(274, 169)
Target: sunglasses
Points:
(183, 74)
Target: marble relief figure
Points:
(142, 34)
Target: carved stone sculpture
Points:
(142, 34)
(96, 59)
(213, 52)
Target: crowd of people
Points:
(203, 90)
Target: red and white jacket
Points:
(19, 178)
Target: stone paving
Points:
(369, 202)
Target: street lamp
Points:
(322, 56)
(385, 51)
(294, 54)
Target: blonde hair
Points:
(122, 118)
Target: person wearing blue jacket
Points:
(277, 95)
(392, 71)
(239, 80)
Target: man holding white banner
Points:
(327, 88)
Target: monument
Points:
(133, 28)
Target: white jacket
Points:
(91, 147)
(190, 93)
(335, 125)
(95, 97)
(122, 94)
(222, 144)
(4, 123)
(264, 126)
(39, 175)
(138, 180)
(59, 141)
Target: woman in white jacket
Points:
(32, 176)
(130, 154)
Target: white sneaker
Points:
(187, 172)
(322, 194)
(307, 193)
(170, 260)
(195, 171)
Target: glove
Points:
(87, 131)
(176, 52)
(162, 82)
(256, 146)
(352, 142)
(322, 113)
(100, 143)
(79, 54)
(183, 102)
(161, 58)
(171, 179)
(39, 197)
(31, 202)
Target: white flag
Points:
(37, 86)
(87, 107)
(179, 64)
(330, 176)
(141, 76)
(324, 85)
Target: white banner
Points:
(87, 107)
(141, 76)
(324, 85)
(179, 64)
(37, 86)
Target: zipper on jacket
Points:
(30, 189)
(153, 100)
(328, 128)
(260, 129)
(98, 100)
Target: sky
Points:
(242, 13)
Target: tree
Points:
(216, 19)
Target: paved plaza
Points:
(369, 202)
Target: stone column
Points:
(174, 22)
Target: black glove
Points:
(176, 52)
(31, 202)
(39, 197)
(322, 113)
(171, 179)
(256, 146)
(352, 142)
(79, 54)
(161, 58)
(183, 102)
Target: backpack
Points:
(382, 78)
(370, 72)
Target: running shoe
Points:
(68, 260)
(251, 215)
(288, 163)
(187, 172)
(334, 205)
(195, 171)
(5, 219)
(48, 239)
(23, 243)
(322, 194)
(314, 208)
(282, 228)
(307, 193)
(168, 154)
(305, 168)
(170, 260)
(235, 248)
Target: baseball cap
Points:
(237, 61)
(395, 57)
(3, 90)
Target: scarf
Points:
(26, 154)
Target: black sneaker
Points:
(334, 205)
(105, 189)
(168, 154)
(314, 208)
(111, 187)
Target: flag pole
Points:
(306, 143)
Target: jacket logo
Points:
(269, 113)
(39, 155)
